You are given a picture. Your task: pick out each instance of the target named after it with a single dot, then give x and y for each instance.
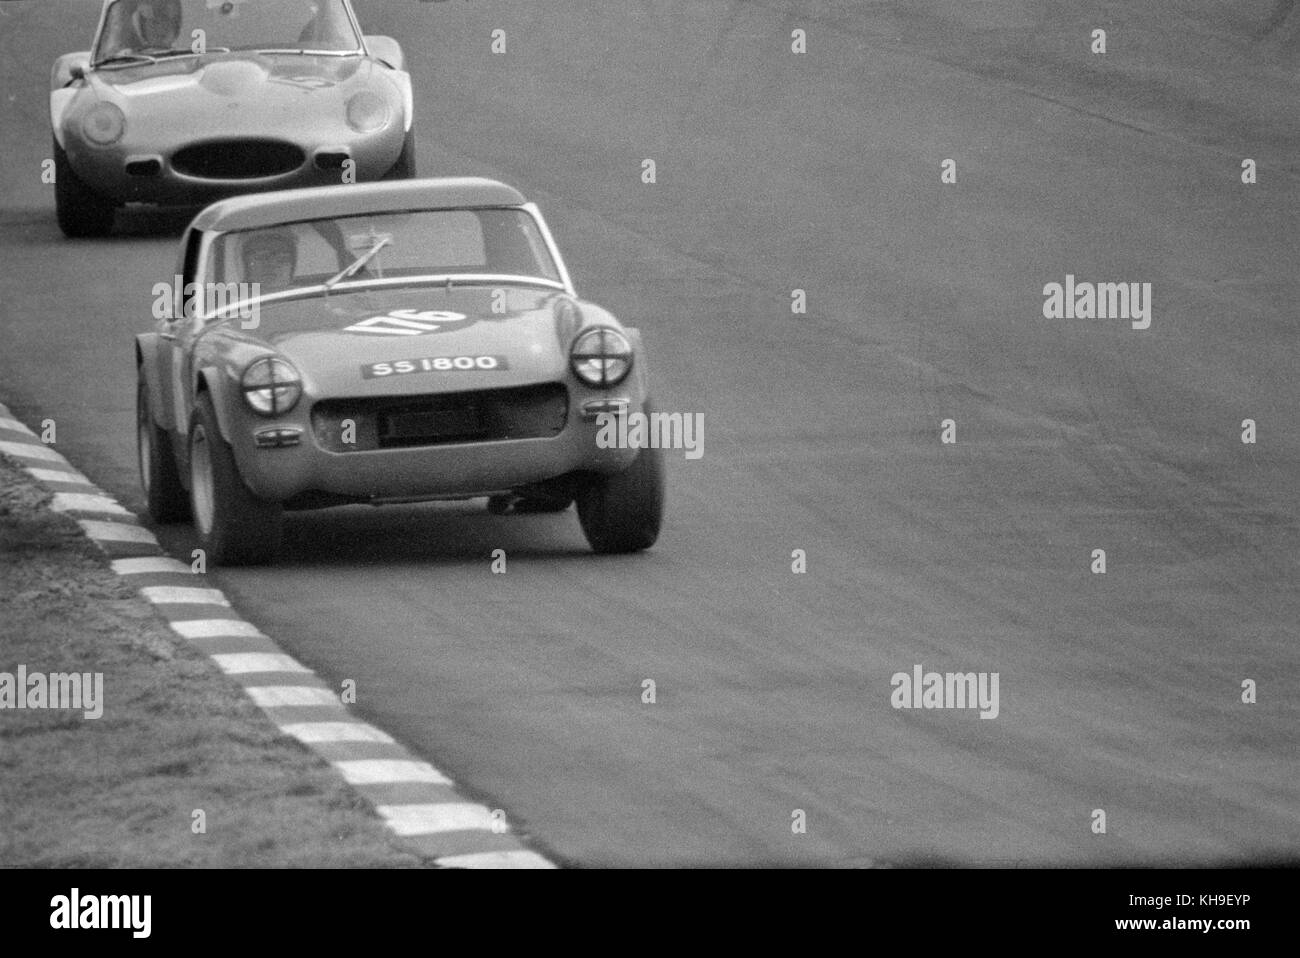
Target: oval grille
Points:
(238, 159)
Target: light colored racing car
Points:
(183, 102)
(387, 343)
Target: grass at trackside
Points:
(175, 736)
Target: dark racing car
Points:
(386, 343)
(183, 102)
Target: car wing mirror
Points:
(69, 68)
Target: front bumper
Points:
(308, 468)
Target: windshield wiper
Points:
(357, 264)
(126, 58)
(191, 53)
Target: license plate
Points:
(436, 364)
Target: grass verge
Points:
(176, 735)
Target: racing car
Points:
(183, 102)
(387, 343)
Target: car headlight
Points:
(104, 124)
(368, 113)
(271, 386)
(601, 357)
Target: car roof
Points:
(257, 210)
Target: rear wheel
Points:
(165, 496)
(623, 512)
(234, 526)
(81, 211)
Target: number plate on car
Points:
(435, 364)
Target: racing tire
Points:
(623, 512)
(81, 211)
(234, 527)
(404, 168)
(165, 497)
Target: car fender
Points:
(63, 89)
(210, 380)
(386, 49)
(403, 82)
(146, 358)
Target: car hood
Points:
(266, 91)
(358, 344)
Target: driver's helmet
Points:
(269, 258)
(157, 23)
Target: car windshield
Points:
(146, 29)
(490, 242)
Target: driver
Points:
(157, 23)
(270, 257)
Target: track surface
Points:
(821, 171)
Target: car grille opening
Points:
(331, 161)
(403, 422)
(238, 159)
(143, 168)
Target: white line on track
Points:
(309, 732)
(116, 532)
(431, 819)
(216, 629)
(177, 595)
(57, 475)
(381, 771)
(148, 565)
(29, 450)
(496, 860)
(243, 663)
(86, 502)
(291, 696)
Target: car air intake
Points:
(400, 422)
(331, 161)
(238, 159)
(150, 167)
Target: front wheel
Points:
(234, 526)
(623, 512)
(81, 211)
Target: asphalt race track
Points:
(821, 171)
